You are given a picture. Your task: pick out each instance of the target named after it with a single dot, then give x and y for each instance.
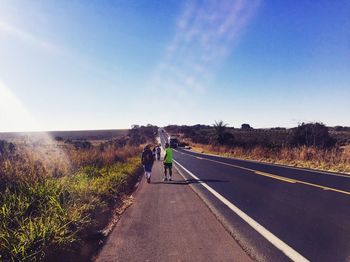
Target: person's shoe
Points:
(165, 179)
(170, 179)
(149, 180)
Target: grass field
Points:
(51, 191)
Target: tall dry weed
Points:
(99, 158)
(48, 193)
(334, 159)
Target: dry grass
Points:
(335, 160)
(99, 158)
(48, 194)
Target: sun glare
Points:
(13, 114)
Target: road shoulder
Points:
(169, 222)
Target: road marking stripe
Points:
(290, 180)
(274, 164)
(275, 177)
(324, 187)
(278, 243)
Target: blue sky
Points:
(68, 65)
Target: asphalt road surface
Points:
(169, 222)
(275, 212)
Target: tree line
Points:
(305, 134)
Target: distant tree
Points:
(312, 134)
(220, 129)
(221, 136)
(59, 138)
(341, 128)
(246, 127)
(135, 136)
(141, 134)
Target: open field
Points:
(72, 135)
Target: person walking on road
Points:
(158, 150)
(147, 160)
(154, 151)
(168, 162)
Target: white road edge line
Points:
(278, 243)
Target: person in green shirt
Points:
(168, 162)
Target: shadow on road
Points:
(190, 181)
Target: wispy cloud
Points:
(66, 54)
(206, 33)
(26, 37)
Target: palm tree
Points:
(220, 128)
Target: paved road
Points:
(306, 214)
(169, 222)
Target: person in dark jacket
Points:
(158, 150)
(147, 160)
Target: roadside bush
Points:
(312, 135)
(201, 137)
(246, 127)
(82, 145)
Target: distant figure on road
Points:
(159, 150)
(168, 162)
(147, 160)
(154, 151)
